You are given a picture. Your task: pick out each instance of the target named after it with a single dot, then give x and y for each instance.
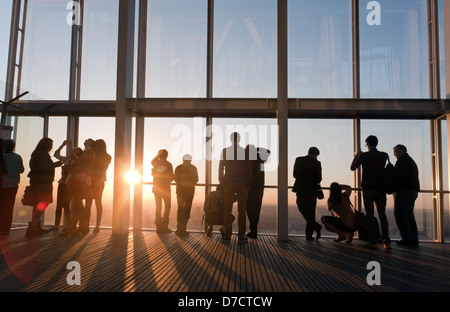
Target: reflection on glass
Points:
(176, 48)
(319, 49)
(99, 56)
(5, 26)
(245, 43)
(46, 59)
(394, 49)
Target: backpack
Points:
(389, 179)
(213, 208)
(361, 225)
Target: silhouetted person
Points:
(186, 177)
(9, 185)
(257, 157)
(308, 175)
(2, 163)
(80, 184)
(98, 179)
(235, 175)
(63, 193)
(343, 220)
(42, 174)
(162, 173)
(373, 163)
(408, 186)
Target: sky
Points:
(244, 66)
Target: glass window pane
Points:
(245, 48)
(99, 56)
(179, 136)
(334, 139)
(28, 132)
(104, 129)
(5, 26)
(394, 49)
(320, 49)
(415, 135)
(46, 59)
(260, 133)
(176, 48)
(57, 131)
(442, 41)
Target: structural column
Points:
(122, 155)
(282, 117)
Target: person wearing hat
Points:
(186, 177)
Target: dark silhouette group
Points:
(241, 180)
(344, 221)
(83, 176)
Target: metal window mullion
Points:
(12, 55)
(140, 120)
(357, 172)
(437, 178)
(282, 118)
(433, 49)
(22, 44)
(210, 50)
(355, 50)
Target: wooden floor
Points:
(146, 262)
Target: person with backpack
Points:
(373, 164)
(343, 220)
(405, 195)
(186, 177)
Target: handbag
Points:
(319, 193)
(28, 198)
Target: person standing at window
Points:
(162, 173)
(408, 186)
(235, 174)
(9, 185)
(42, 174)
(186, 177)
(373, 163)
(308, 175)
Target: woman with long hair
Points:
(343, 220)
(98, 179)
(42, 174)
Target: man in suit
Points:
(408, 186)
(373, 163)
(308, 175)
